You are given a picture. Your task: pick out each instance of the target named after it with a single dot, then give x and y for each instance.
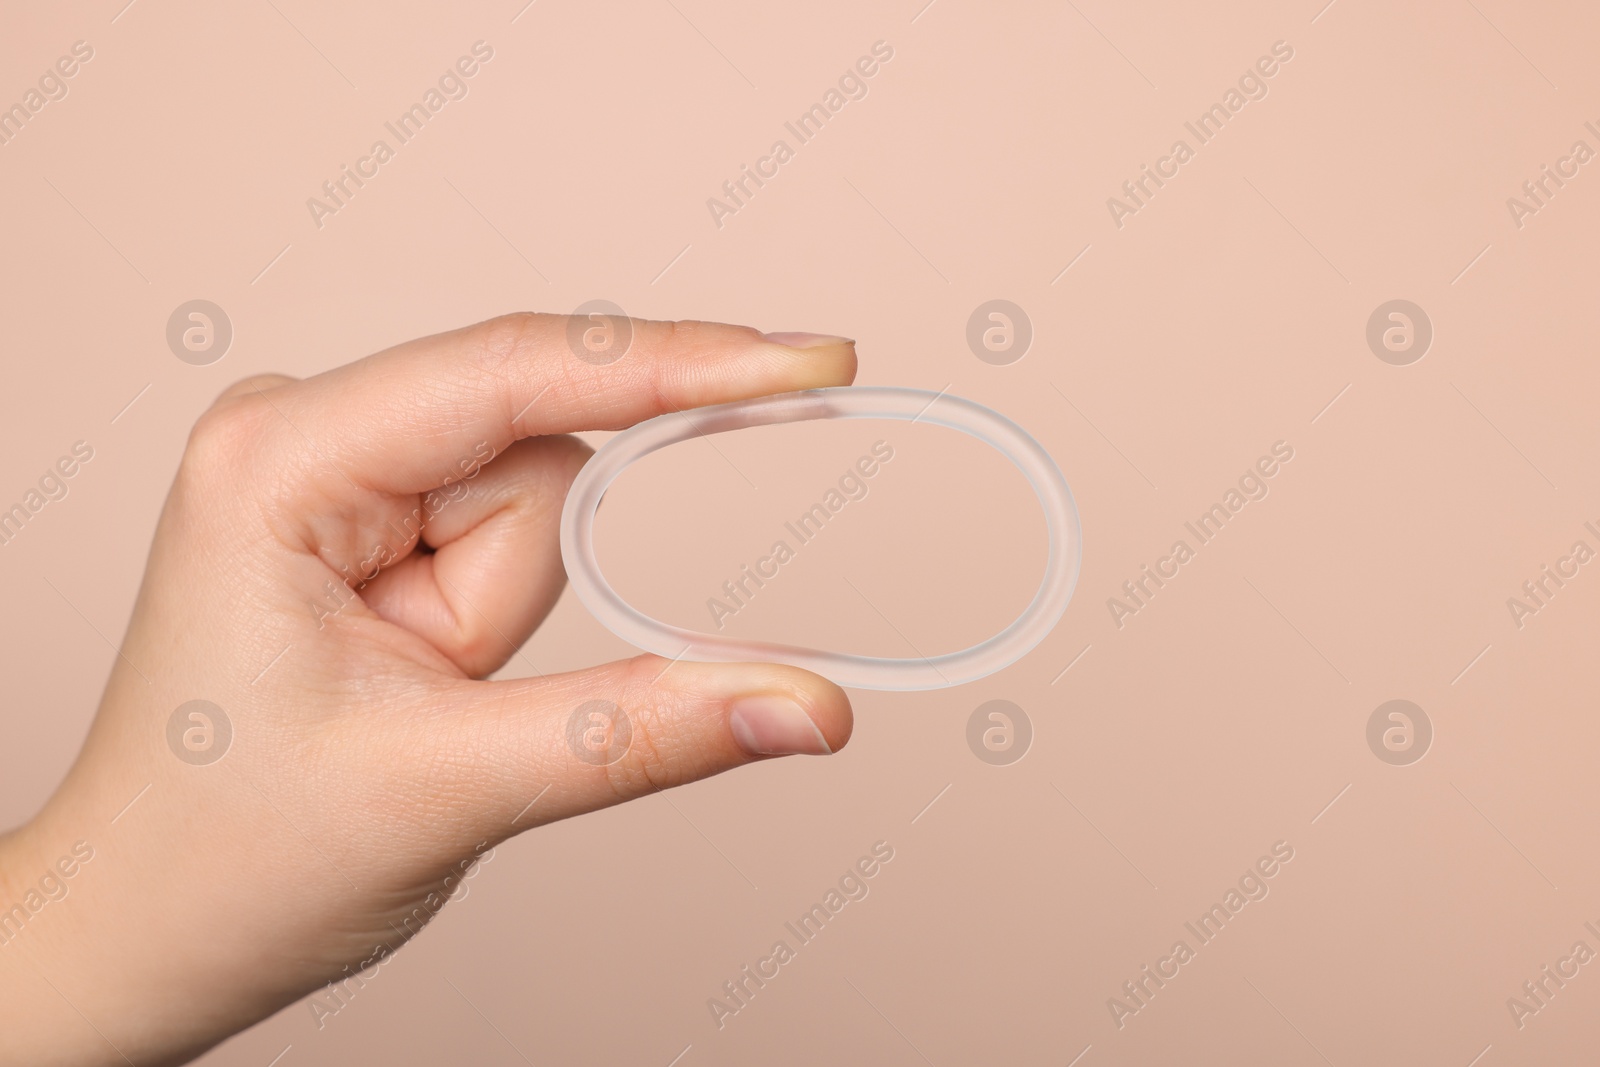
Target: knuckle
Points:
(656, 758)
(645, 768)
(506, 341)
(230, 430)
(504, 348)
(255, 383)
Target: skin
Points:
(372, 763)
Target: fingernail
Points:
(771, 725)
(806, 340)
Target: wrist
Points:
(43, 978)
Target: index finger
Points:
(400, 420)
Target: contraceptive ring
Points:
(841, 402)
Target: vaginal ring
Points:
(848, 402)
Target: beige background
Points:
(1224, 316)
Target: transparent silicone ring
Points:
(860, 672)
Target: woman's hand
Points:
(340, 562)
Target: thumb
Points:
(535, 750)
